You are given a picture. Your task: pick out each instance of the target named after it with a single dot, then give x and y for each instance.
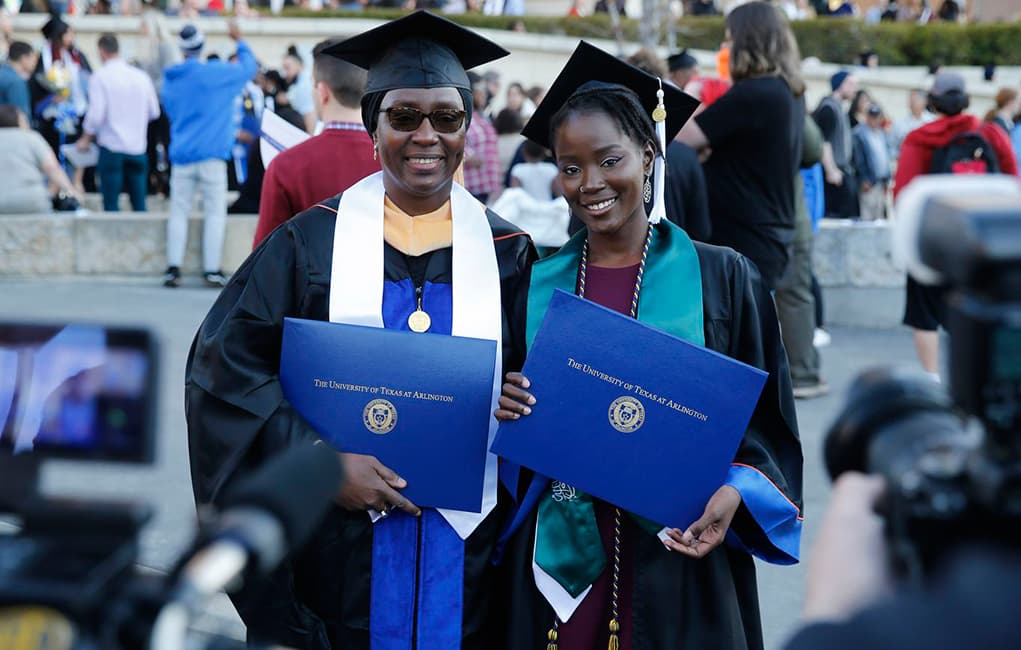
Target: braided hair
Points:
(619, 103)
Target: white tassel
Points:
(659, 166)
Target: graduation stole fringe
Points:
(569, 553)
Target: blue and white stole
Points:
(399, 543)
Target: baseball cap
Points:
(191, 39)
(947, 82)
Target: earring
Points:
(647, 189)
(375, 150)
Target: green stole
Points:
(568, 546)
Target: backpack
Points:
(966, 153)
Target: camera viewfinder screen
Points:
(76, 391)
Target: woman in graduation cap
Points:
(60, 85)
(406, 249)
(583, 574)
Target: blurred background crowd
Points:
(871, 11)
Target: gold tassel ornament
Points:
(614, 635)
(552, 636)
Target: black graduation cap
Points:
(683, 60)
(589, 64)
(421, 50)
(54, 28)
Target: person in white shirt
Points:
(533, 201)
(536, 175)
(299, 87)
(917, 116)
(122, 102)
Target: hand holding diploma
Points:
(369, 484)
(711, 528)
(699, 539)
(515, 400)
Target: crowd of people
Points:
(242, 8)
(914, 11)
(865, 146)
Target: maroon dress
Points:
(588, 628)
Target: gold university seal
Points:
(380, 416)
(627, 414)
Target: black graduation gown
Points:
(39, 92)
(711, 603)
(687, 201)
(237, 418)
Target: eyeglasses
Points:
(405, 118)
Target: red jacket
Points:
(916, 152)
(313, 171)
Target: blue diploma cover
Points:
(629, 414)
(420, 403)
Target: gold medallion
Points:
(659, 114)
(419, 321)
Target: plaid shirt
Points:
(481, 143)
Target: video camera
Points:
(952, 462)
(67, 575)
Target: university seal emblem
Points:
(380, 416)
(627, 414)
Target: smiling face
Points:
(602, 172)
(418, 166)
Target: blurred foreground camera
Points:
(952, 462)
(67, 570)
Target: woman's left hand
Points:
(711, 528)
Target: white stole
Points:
(356, 292)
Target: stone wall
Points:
(108, 244)
(853, 261)
(862, 285)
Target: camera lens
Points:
(890, 415)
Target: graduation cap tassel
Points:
(659, 166)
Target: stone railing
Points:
(852, 259)
(108, 244)
(854, 263)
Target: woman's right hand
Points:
(369, 484)
(515, 400)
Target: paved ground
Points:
(175, 315)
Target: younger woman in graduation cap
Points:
(689, 590)
(403, 249)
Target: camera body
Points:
(951, 461)
(81, 392)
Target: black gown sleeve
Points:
(237, 415)
(516, 306)
(767, 470)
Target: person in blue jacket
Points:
(198, 98)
